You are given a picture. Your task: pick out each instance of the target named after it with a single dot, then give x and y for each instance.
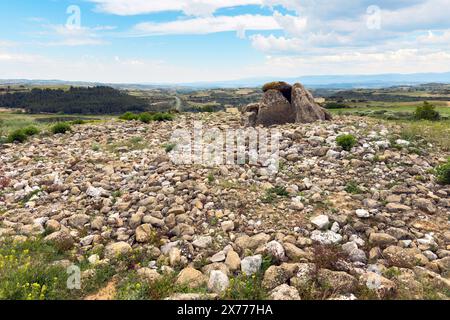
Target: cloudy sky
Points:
(153, 41)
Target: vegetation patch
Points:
(17, 136)
(346, 141)
(272, 193)
(147, 117)
(427, 112)
(353, 188)
(443, 173)
(61, 128)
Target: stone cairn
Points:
(283, 103)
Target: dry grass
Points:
(435, 132)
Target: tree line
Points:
(76, 100)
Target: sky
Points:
(183, 41)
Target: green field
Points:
(436, 132)
(13, 121)
(393, 107)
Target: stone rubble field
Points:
(331, 224)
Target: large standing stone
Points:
(283, 104)
(275, 109)
(306, 109)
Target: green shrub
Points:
(145, 117)
(17, 136)
(78, 121)
(162, 117)
(443, 173)
(335, 105)
(31, 131)
(61, 127)
(427, 112)
(128, 116)
(346, 141)
(271, 194)
(169, 147)
(352, 188)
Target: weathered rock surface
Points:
(283, 104)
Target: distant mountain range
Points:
(330, 81)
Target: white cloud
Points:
(292, 25)
(433, 38)
(15, 57)
(399, 61)
(7, 43)
(206, 25)
(189, 7)
(62, 35)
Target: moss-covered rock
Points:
(281, 86)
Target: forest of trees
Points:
(76, 100)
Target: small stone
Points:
(233, 261)
(227, 226)
(94, 259)
(144, 233)
(321, 222)
(328, 237)
(294, 253)
(284, 292)
(117, 249)
(218, 257)
(251, 265)
(362, 213)
(52, 225)
(177, 210)
(78, 220)
(396, 207)
(191, 277)
(341, 282)
(97, 223)
(425, 205)
(382, 240)
(274, 276)
(148, 274)
(94, 192)
(61, 239)
(202, 242)
(382, 286)
(257, 241)
(174, 257)
(218, 282)
(276, 250)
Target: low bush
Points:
(346, 141)
(443, 173)
(162, 117)
(17, 136)
(31, 131)
(61, 127)
(145, 117)
(78, 121)
(427, 112)
(129, 116)
(335, 105)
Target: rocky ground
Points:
(369, 223)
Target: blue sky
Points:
(152, 41)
